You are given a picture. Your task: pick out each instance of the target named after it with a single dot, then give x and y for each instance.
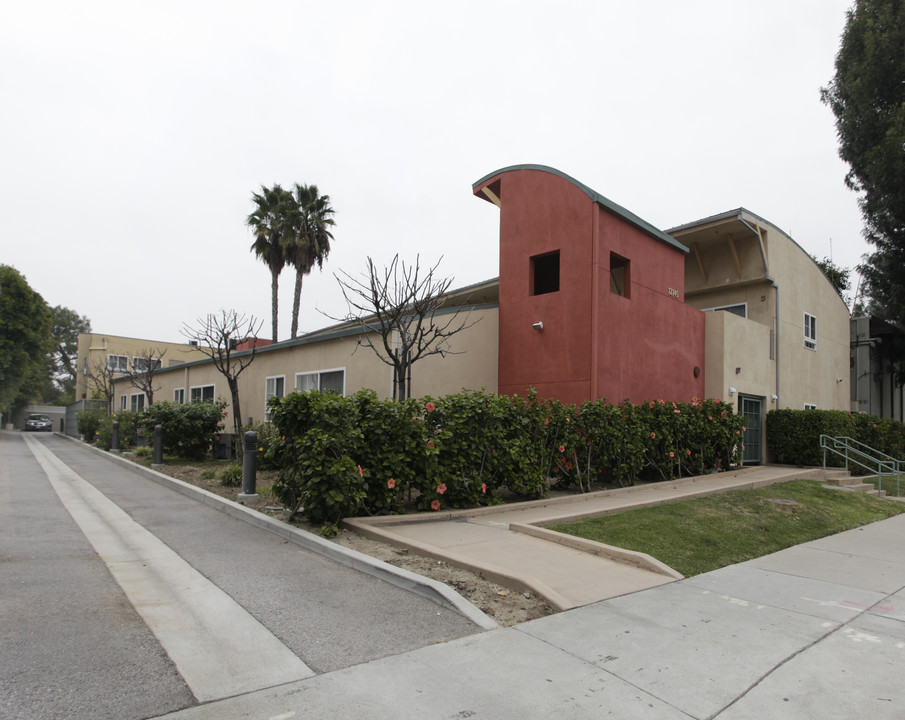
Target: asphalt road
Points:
(76, 562)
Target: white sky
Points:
(132, 134)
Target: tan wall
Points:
(95, 347)
(474, 366)
(738, 356)
(810, 376)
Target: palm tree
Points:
(309, 244)
(269, 222)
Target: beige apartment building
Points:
(776, 332)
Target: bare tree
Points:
(217, 336)
(400, 306)
(101, 376)
(145, 366)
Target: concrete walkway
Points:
(507, 544)
(814, 631)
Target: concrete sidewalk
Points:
(814, 631)
(506, 543)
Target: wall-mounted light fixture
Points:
(732, 391)
(774, 398)
(538, 326)
(839, 380)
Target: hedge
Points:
(343, 456)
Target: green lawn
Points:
(703, 534)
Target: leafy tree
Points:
(400, 306)
(25, 321)
(838, 276)
(309, 244)
(270, 222)
(867, 96)
(65, 330)
(217, 337)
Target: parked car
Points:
(38, 423)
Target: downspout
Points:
(776, 345)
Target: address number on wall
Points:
(674, 293)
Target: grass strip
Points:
(703, 534)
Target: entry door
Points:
(752, 409)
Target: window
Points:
(545, 273)
(118, 363)
(273, 387)
(140, 364)
(202, 393)
(122, 402)
(619, 275)
(179, 396)
(810, 331)
(741, 309)
(328, 380)
(137, 402)
(810, 406)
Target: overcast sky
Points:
(132, 134)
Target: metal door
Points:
(752, 409)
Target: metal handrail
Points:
(877, 462)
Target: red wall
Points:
(594, 343)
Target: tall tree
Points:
(398, 311)
(25, 321)
(65, 330)
(310, 243)
(867, 96)
(270, 222)
(217, 337)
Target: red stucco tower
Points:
(591, 296)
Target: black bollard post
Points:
(114, 441)
(158, 445)
(62, 426)
(249, 467)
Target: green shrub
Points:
(231, 475)
(344, 456)
(207, 474)
(142, 451)
(87, 422)
(188, 428)
(128, 430)
(794, 435)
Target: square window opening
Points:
(545, 273)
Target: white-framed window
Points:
(273, 387)
(118, 363)
(122, 402)
(141, 364)
(201, 393)
(810, 331)
(810, 406)
(323, 380)
(740, 309)
(179, 396)
(137, 402)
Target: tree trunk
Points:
(296, 302)
(274, 301)
(237, 411)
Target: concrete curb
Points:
(616, 554)
(425, 587)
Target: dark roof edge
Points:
(595, 197)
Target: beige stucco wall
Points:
(93, 348)
(738, 356)
(473, 366)
(810, 376)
